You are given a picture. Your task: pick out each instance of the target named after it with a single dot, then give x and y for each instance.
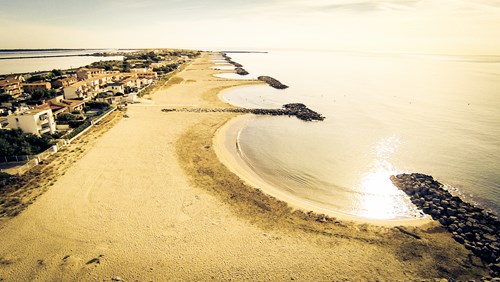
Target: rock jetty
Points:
(241, 71)
(230, 61)
(298, 110)
(477, 229)
(272, 82)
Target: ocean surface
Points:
(385, 114)
(8, 66)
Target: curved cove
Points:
(380, 121)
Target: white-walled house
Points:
(115, 87)
(36, 121)
(90, 87)
(85, 73)
(76, 90)
(131, 81)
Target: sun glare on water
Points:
(380, 198)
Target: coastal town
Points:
(57, 105)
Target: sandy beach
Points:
(150, 201)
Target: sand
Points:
(149, 200)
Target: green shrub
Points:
(75, 123)
(16, 143)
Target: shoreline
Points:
(227, 153)
(150, 201)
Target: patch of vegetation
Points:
(73, 120)
(4, 98)
(16, 143)
(39, 96)
(166, 69)
(78, 129)
(6, 179)
(106, 65)
(97, 105)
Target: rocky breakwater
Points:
(241, 71)
(272, 82)
(300, 111)
(477, 229)
(238, 67)
(230, 61)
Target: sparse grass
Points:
(175, 80)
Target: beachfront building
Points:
(36, 121)
(136, 70)
(115, 87)
(64, 82)
(146, 78)
(11, 86)
(147, 74)
(88, 88)
(157, 65)
(85, 73)
(58, 105)
(36, 87)
(76, 90)
(131, 81)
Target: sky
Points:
(416, 26)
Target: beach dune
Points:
(151, 201)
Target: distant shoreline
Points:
(58, 56)
(62, 49)
(243, 52)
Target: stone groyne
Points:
(272, 82)
(298, 110)
(230, 61)
(241, 71)
(477, 229)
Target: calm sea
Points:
(385, 114)
(46, 64)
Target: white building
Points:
(115, 87)
(85, 73)
(37, 121)
(76, 90)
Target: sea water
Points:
(23, 63)
(385, 114)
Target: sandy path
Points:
(127, 209)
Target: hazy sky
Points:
(429, 26)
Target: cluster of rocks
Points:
(272, 82)
(230, 61)
(300, 111)
(241, 71)
(477, 229)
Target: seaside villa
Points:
(11, 87)
(58, 105)
(36, 86)
(36, 121)
(64, 82)
(85, 73)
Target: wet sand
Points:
(151, 201)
